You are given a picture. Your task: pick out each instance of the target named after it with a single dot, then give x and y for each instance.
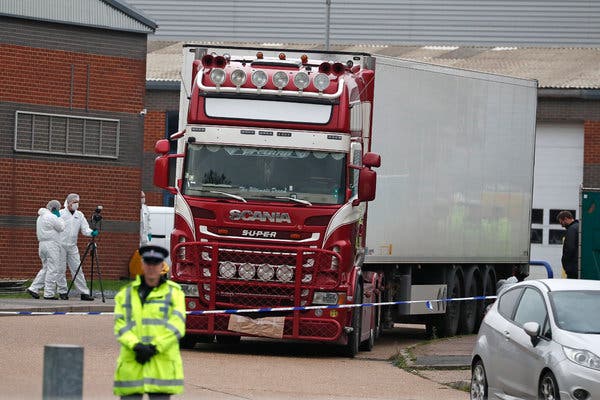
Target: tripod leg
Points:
(87, 249)
(95, 258)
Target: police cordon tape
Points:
(428, 304)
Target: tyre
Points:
(479, 385)
(227, 339)
(353, 346)
(188, 342)
(548, 387)
(447, 325)
(468, 312)
(488, 275)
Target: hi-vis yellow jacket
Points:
(161, 322)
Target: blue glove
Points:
(149, 237)
(94, 233)
(56, 212)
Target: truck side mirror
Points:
(367, 180)
(162, 146)
(161, 171)
(371, 160)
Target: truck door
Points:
(589, 229)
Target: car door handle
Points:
(506, 335)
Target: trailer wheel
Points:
(353, 346)
(468, 312)
(448, 323)
(489, 289)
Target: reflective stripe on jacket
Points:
(161, 322)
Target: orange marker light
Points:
(304, 59)
(295, 236)
(259, 55)
(223, 231)
(282, 56)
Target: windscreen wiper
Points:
(301, 201)
(233, 196)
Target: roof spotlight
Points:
(321, 81)
(259, 78)
(217, 76)
(301, 80)
(280, 79)
(238, 77)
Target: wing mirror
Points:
(533, 330)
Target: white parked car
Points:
(540, 340)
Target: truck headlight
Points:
(328, 298)
(247, 271)
(189, 290)
(583, 357)
(280, 79)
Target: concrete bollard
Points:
(63, 372)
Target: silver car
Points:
(540, 340)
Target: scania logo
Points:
(262, 216)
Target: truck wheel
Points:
(448, 324)
(489, 289)
(227, 339)
(188, 342)
(468, 312)
(353, 346)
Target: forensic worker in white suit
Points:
(75, 223)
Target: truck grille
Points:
(245, 276)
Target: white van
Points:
(161, 225)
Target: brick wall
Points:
(591, 154)
(62, 69)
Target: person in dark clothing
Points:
(570, 252)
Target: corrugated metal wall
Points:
(461, 22)
(80, 12)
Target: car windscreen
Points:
(577, 311)
(270, 174)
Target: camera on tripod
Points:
(95, 220)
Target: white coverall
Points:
(74, 223)
(52, 274)
(144, 225)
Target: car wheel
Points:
(479, 386)
(548, 387)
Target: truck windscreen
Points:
(252, 173)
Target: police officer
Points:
(149, 321)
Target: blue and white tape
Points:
(428, 304)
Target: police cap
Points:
(153, 254)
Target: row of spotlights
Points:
(264, 272)
(260, 78)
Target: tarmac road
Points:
(255, 369)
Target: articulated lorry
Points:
(314, 178)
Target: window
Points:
(537, 216)
(537, 236)
(554, 213)
(507, 302)
(531, 308)
(555, 236)
(66, 134)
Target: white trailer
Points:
(454, 191)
